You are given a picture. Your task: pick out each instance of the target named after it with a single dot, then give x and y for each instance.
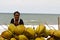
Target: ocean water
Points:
(30, 18)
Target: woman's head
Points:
(16, 15)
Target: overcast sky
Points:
(30, 6)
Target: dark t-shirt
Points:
(20, 22)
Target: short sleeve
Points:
(12, 20)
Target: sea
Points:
(31, 18)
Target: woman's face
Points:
(16, 16)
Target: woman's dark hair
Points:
(16, 12)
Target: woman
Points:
(16, 20)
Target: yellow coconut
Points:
(57, 33)
(51, 32)
(40, 38)
(11, 27)
(20, 29)
(1, 38)
(30, 32)
(51, 38)
(22, 37)
(40, 29)
(12, 39)
(46, 34)
(6, 34)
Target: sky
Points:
(30, 6)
